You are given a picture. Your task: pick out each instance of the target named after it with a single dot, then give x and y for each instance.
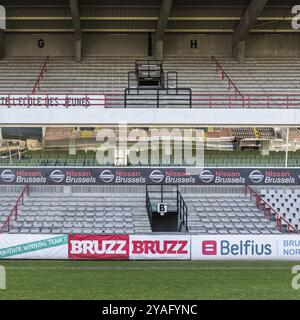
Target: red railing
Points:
(14, 212)
(116, 100)
(228, 100)
(40, 77)
(247, 101)
(268, 210)
(225, 75)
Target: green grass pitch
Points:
(148, 280)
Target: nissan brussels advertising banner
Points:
(143, 176)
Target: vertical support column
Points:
(165, 10)
(287, 147)
(74, 6)
(238, 52)
(2, 44)
(78, 51)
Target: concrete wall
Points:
(63, 44)
(115, 44)
(273, 45)
(27, 45)
(137, 44)
(208, 45)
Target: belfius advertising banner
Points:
(143, 176)
(27, 246)
(245, 247)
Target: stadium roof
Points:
(124, 16)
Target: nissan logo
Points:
(57, 176)
(107, 176)
(7, 176)
(156, 176)
(206, 176)
(256, 176)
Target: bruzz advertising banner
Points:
(150, 247)
(143, 176)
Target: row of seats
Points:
(226, 214)
(286, 202)
(53, 213)
(212, 158)
(105, 74)
(48, 211)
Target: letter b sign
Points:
(162, 208)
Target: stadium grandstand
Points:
(71, 71)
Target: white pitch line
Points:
(147, 268)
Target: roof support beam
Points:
(244, 27)
(162, 24)
(74, 6)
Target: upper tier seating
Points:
(105, 74)
(212, 158)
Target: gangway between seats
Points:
(166, 208)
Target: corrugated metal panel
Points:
(201, 24)
(38, 12)
(121, 2)
(206, 12)
(35, 2)
(211, 2)
(40, 24)
(276, 12)
(275, 25)
(118, 24)
(119, 12)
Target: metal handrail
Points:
(14, 211)
(224, 74)
(41, 76)
(268, 210)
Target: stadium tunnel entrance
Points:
(166, 208)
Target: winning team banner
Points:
(27, 246)
(150, 247)
(150, 175)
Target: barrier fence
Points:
(150, 247)
(169, 98)
(269, 211)
(14, 212)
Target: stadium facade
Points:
(150, 130)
